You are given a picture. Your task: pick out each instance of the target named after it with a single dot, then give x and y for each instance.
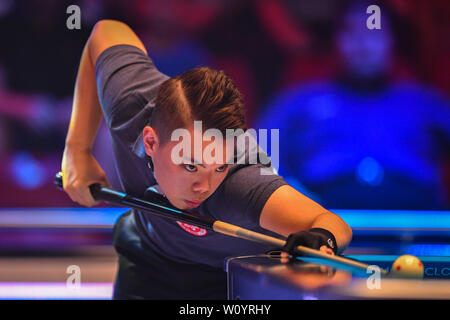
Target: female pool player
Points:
(159, 258)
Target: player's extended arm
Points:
(287, 211)
(79, 167)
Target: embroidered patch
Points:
(196, 231)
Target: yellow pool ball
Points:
(407, 266)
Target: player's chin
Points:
(183, 205)
(179, 204)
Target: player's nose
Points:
(202, 185)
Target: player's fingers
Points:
(86, 197)
(284, 257)
(326, 250)
(70, 191)
(79, 193)
(71, 195)
(104, 182)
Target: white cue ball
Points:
(407, 266)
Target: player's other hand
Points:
(80, 169)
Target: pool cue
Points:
(106, 194)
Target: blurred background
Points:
(364, 115)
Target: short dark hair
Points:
(202, 94)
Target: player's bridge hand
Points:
(80, 170)
(315, 238)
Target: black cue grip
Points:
(97, 191)
(155, 207)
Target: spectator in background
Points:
(363, 141)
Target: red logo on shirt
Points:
(196, 231)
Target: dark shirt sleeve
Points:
(127, 83)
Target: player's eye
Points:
(190, 167)
(222, 168)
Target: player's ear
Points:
(151, 140)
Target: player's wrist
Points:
(328, 238)
(76, 146)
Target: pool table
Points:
(263, 277)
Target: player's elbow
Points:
(102, 35)
(108, 33)
(107, 24)
(106, 29)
